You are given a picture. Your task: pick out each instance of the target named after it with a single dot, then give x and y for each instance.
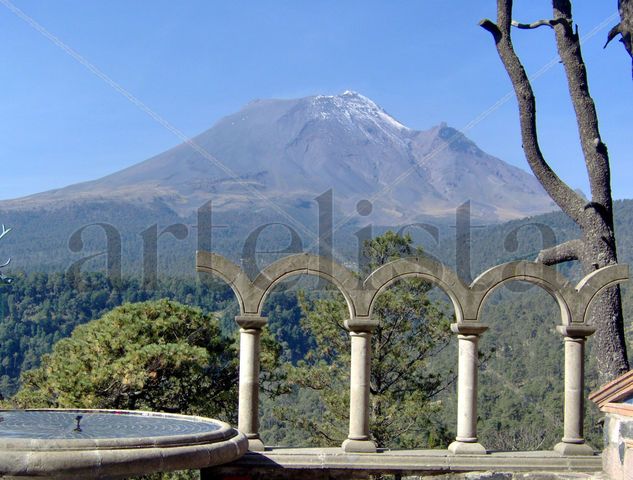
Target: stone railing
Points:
(468, 302)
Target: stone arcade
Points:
(465, 453)
(57, 456)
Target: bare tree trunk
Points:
(596, 248)
(624, 28)
(606, 312)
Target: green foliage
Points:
(283, 310)
(411, 330)
(160, 356)
(521, 383)
(39, 309)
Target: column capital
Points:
(361, 324)
(575, 331)
(251, 321)
(469, 328)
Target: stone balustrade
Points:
(468, 302)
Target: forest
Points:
(521, 354)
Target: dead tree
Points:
(3, 278)
(596, 247)
(624, 28)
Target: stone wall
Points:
(617, 457)
(509, 476)
(356, 475)
(335, 464)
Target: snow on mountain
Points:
(354, 109)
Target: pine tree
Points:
(412, 329)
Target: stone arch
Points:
(234, 276)
(593, 284)
(546, 277)
(307, 264)
(251, 295)
(432, 271)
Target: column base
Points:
(359, 446)
(466, 448)
(573, 449)
(256, 445)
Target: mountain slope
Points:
(277, 154)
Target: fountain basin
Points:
(110, 444)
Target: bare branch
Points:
(4, 278)
(565, 252)
(624, 28)
(530, 26)
(4, 231)
(614, 32)
(492, 27)
(568, 200)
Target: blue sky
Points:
(192, 62)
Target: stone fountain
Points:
(109, 444)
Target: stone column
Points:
(248, 412)
(573, 441)
(359, 438)
(466, 440)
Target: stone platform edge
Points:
(408, 462)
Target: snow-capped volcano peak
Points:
(353, 110)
